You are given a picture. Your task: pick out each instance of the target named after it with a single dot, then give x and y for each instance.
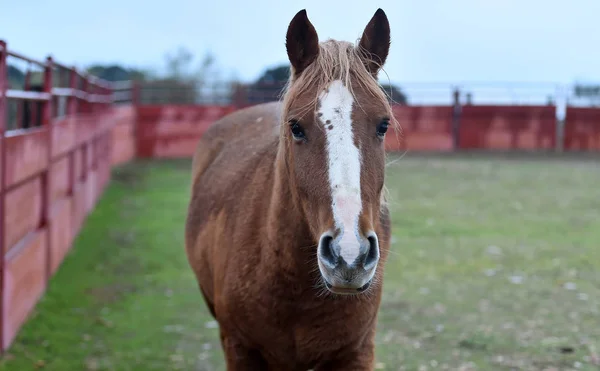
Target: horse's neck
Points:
(287, 229)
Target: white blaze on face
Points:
(344, 166)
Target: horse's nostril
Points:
(373, 253)
(327, 252)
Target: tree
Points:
(178, 64)
(588, 91)
(16, 77)
(269, 85)
(395, 94)
(275, 75)
(118, 73)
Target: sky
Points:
(435, 42)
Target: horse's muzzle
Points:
(341, 276)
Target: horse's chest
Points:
(300, 329)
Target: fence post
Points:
(108, 143)
(3, 114)
(72, 100)
(71, 112)
(456, 113)
(47, 114)
(560, 122)
(85, 109)
(84, 103)
(110, 93)
(136, 92)
(136, 99)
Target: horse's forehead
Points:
(337, 97)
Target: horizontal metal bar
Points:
(60, 65)
(63, 92)
(80, 94)
(27, 59)
(69, 92)
(122, 95)
(122, 85)
(99, 98)
(24, 131)
(25, 180)
(27, 95)
(94, 80)
(94, 98)
(17, 249)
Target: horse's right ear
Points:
(375, 42)
(302, 43)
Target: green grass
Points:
(495, 266)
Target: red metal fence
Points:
(123, 134)
(422, 128)
(582, 130)
(173, 130)
(51, 175)
(508, 127)
(65, 137)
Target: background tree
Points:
(269, 85)
(589, 92)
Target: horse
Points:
(287, 228)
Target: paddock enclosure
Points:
(59, 145)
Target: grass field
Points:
(495, 266)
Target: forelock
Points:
(337, 60)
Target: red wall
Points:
(421, 128)
(54, 176)
(174, 131)
(123, 135)
(582, 129)
(507, 127)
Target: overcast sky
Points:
(432, 41)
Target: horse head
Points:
(335, 118)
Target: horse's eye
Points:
(297, 130)
(382, 128)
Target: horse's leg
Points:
(359, 360)
(209, 304)
(240, 358)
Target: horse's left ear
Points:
(375, 41)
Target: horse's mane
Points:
(337, 60)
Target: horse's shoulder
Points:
(238, 137)
(231, 155)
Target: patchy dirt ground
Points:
(495, 266)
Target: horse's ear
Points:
(375, 42)
(302, 43)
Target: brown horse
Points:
(287, 229)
